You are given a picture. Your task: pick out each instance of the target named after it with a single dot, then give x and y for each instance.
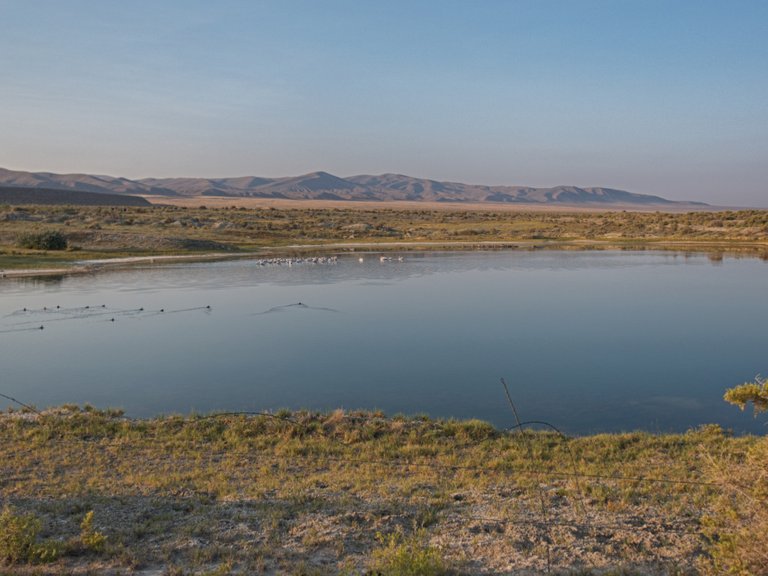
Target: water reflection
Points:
(591, 341)
(296, 306)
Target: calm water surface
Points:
(590, 341)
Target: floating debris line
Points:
(300, 305)
(165, 312)
(84, 315)
(11, 330)
(46, 310)
(41, 316)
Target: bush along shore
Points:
(90, 491)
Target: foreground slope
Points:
(342, 493)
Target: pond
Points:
(591, 341)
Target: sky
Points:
(655, 97)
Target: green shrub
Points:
(471, 430)
(47, 551)
(411, 556)
(43, 241)
(737, 528)
(89, 537)
(18, 540)
(18, 536)
(755, 392)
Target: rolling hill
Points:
(325, 186)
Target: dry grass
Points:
(322, 492)
(737, 527)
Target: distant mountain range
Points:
(325, 186)
(15, 195)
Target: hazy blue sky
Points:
(663, 97)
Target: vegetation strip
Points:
(346, 493)
(57, 239)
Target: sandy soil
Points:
(226, 202)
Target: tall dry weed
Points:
(737, 528)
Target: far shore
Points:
(215, 228)
(281, 203)
(91, 266)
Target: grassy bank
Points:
(98, 232)
(346, 493)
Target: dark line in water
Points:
(10, 330)
(163, 311)
(296, 305)
(53, 310)
(86, 313)
(83, 316)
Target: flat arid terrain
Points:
(500, 207)
(254, 227)
(345, 222)
(89, 491)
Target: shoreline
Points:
(79, 267)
